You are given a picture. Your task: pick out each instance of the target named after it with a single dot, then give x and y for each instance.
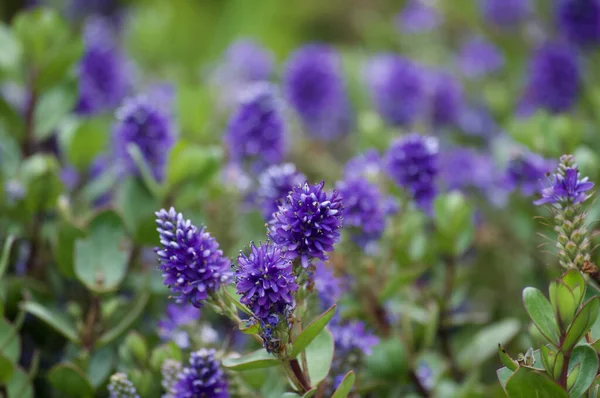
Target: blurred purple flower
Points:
(170, 326)
(505, 12)
(314, 85)
(525, 172)
(328, 286)
(275, 183)
(476, 120)
(397, 88)
(479, 57)
(368, 165)
(353, 338)
(463, 168)
(579, 21)
(418, 17)
(446, 101)
(256, 131)
(120, 386)
(203, 377)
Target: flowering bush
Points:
(267, 199)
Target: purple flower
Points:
(327, 285)
(275, 183)
(417, 17)
(256, 131)
(505, 12)
(103, 70)
(570, 188)
(477, 121)
(479, 57)
(314, 86)
(353, 338)
(412, 162)
(363, 210)
(554, 81)
(463, 168)
(121, 387)
(525, 171)
(368, 165)
(204, 377)
(446, 99)
(579, 21)
(397, 88)
(190, 259)
(266, 281)
(177, 316)
(169, 371)
(142, 123)
(307, 224)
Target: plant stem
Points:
(89, 333)
(443, 334)
(299, 374)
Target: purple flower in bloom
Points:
(417, 17)
(149, 127)
(327, 285)
(190, 259)
(397, 88)
(266, 281)
(256, 130)
(275, 183)
(570, 188)
(446, 101)
(525, 171)
(170, 326)
(203, 378)
(368, 165)
(103, 70)
(353, 338)
(579, 21)
(412, 162)
(554, 78)
(479, 57)
(314, 86)
(463, 168)
(308, 222)
(363, 210)
(505, 12)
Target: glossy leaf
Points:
(100, 365)
(541, 313)
(138, 205)
(582, 323)
(256, 360)
(576, 282)
(503, 376)
(506, 359)
(311, 331)
(345, 386)
(527, 383)
(483, 345)
(53, 318)
(585, 357)
(83, 141)
(319, 355)
(64, 248)
(70, 380)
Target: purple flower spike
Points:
(190, 259)
(204, 377)
(418, 17)
(446, 99)
(525, 171)
(275, 183)
(579, 21)
(505, 12)
(352, 337)
(478, 58)
(314, 86)
(307, 225)
(327, 285)
(571, 189)
(266, 281)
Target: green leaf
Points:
(576, 282)
(319, 355)
(454, 223)
(100, 365)
(6, 254)
(503, 376)
(256, 360)
(10, 342)
(541, 313)
(101, 258)
(582, 323)
(506, 359)
(67, 235)
(232, 295)
(70, 380)
(345, 386)
(42, 183)
(53, 318)
(83, 140)
(52, 108)
(585, 357)
(310, 393)
(187, 161)
(528, 383)
(138, 205)
(311, 331)
(402, 278)
(144, 169)
(59, 64)
(10, 56)
(253, 328)
(137, 307)
(482, 346)
(6, 369)
(19, 385)
(563, 301)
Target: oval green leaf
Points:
(483, 345)
(70, 380)
(527, 383)
(53, 318)
(345, 386)
(19, 385)
(311, 331)
(582, 323)
(585, 357)
(256, 360)
(541, 313)
(319, 355)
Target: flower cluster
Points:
(418, 17)
(141, 123)
(567, 187)
(170, 371)
(327, 285)
(308, 222)
(314, 86)
(275, 183)
(191, 262)
(170, 327)
(120, 386)
(478, 58)
(525, 171)
(505, 12)
(203, 378)
(579, 21)
(412, 162)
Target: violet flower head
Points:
(315, 88)
(464, 168)
(308, 223)
(579, 21)
(446, 101)
(170, 327)
(368, 165)
(554, 81)
(327, 285)
(417, 17)
(505, 12)
(103, 70)
(353, 338)
(266, 281)
(120, 386)
(363, 210)
(397, 89)
(525, 172)
(256, 131)
(149, 127)
(203, 377)
(570, 188)
(476, 120)
(478, 58)
(190, 260)
(275, 183)
(169, 371)
(412, 162)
